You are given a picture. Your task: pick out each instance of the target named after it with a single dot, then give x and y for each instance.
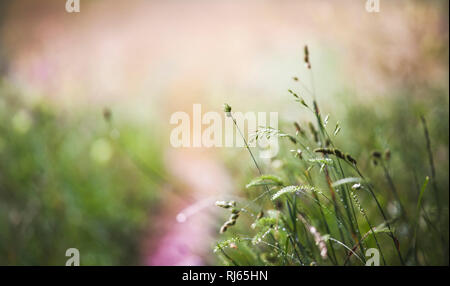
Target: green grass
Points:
(345, 183)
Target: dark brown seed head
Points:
(107, 114)
(299, 129)
(324, 151)
(351, 159)
(307, 62)
(293, 140)
(339, 153)
(316, 107)
(376, 154)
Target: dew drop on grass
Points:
(181, 217)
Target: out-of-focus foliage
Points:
(387, 126)
(72, 181)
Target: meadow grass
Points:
(326, 199)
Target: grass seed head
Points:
(339, 153)
(107, 114)
(299, 129)
(227, 109)
(350, 159)
(324, 151)
(230, 222)
(226, 204)
(234, 211)
(376, 154)
(306, 59)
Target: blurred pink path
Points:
(186, 230)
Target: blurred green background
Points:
(72, 181)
